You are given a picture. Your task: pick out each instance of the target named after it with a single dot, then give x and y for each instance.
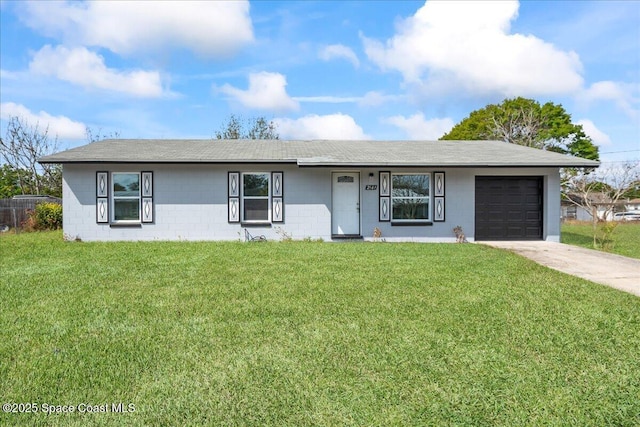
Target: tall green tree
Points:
(253, 128)
(526, 122)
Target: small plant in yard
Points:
(46, 216)
(625, 235)
(284, 236)
(605, 238)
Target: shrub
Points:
(46, 216)
(606, 235)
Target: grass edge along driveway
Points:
(625, 238)
(310, 334)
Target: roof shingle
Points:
(317, 153)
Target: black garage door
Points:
(508, 208)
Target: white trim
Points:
(429, 198)
(334, 225)
(267, 197)
(113, 197)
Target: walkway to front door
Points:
(345, 204)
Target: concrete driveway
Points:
(600, 267)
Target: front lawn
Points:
(625, 238)
(273, 334)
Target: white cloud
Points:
(212, 29)
(313, 126)
(339, 51)
(327, 99)
(369, 99)
(417, 127)
(468, 46)
(267, 91)
(625, 96)
(60, 126)
(374, 99)
(85, 68)
(599, 138)
(8, 75)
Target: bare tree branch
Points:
(21, 149)
(602, 189)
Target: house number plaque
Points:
(371, 187)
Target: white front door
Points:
(345, 213)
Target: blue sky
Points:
(320, 70)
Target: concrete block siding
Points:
(190, 203)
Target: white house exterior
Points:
(632, 205)
(214, 190)
(605, 209)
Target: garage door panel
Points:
(508, 208)
(534, 216)
(515, 217)
(533, 232)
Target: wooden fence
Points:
(15, 211)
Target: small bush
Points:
(46, 216)
(29, 224)
(605, 239)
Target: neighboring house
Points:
(214, 189)
(602, 203)
(632, 205)
(573, 211)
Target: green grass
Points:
(273, 334)
(626, 237)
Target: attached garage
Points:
(509, 208)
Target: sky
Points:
(375, 70)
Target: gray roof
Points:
(317, 153)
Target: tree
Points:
(254, 128)
(94, 136)
(10, 181)
(525, 122)
(634, 191)
(21, 149)
(605, 188)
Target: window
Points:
(255, 197)
(410, 197)
(126, 197)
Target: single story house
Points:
(601, 202)
(603, 205)
(216, 189)
(632, 205)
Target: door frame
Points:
(347, 236)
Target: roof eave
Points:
(303, 163)
(157, 161)
(447, 165)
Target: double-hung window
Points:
(255, 197)
(126, 197)
(410, 197)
